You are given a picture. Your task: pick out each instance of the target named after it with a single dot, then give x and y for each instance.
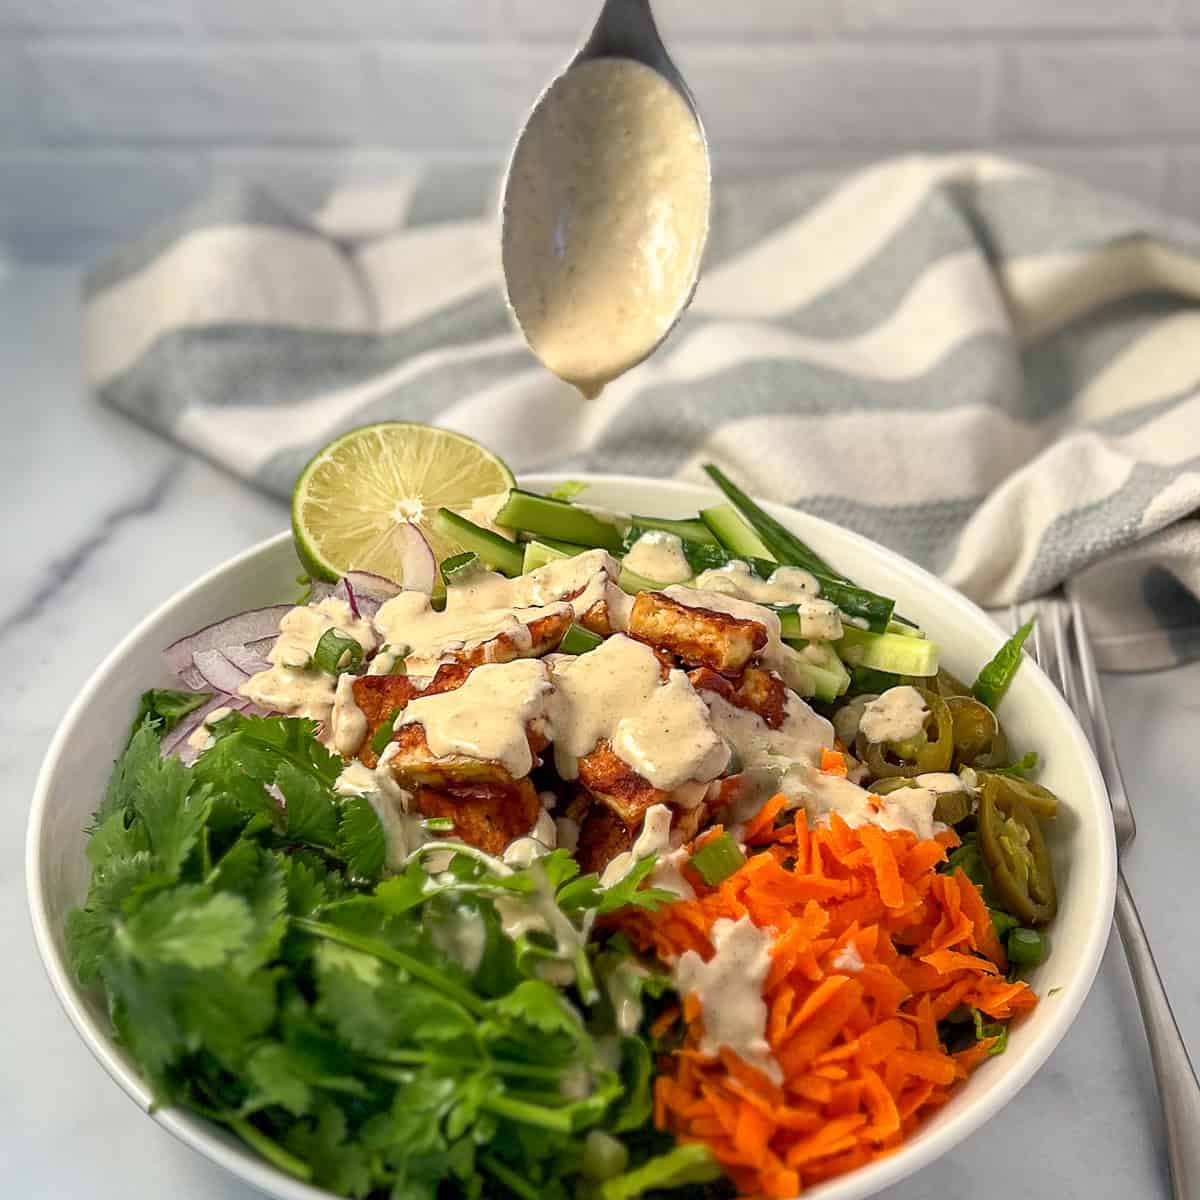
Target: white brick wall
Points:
(113, 113)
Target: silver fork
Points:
(1062, 649)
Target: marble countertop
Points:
(105, 521)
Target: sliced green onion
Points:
(1003, 923)
(578, 640)
(717, 859)
(438, 825)
(337, 651)
(1026, 947)
(456, 568)
(383, 734)
(781, 542)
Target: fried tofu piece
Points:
(756, 689)
(699, 636)
(414, 765)
(488, 816)
(545, 633)
(378, 696)
(616, 784)
(602, 836)
(597, 619)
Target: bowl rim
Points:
(210, 1141)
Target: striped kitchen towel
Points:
(993, 370)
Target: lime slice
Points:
(357, 491)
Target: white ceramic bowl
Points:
(92, 733)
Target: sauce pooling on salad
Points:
(617, 694)
(659, 555)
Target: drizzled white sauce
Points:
(347, 721)
(729, 989)
(461, 936)
(488, 717)
(289, 685)
(624, 987)
(819, 619)
(403, 831)
(410, 620)
(616, 693)
(848, 959)
(537, 843)
(658, 555)
(606, 213)
(201, 737)
(940, 782)
(654, 838)
(905, 808)
(896, 716)
(787, 585)
(486, 606)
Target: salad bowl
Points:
(94, 730)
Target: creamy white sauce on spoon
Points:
(605, 219)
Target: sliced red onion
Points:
(255, 625)
(365, 592)
(320, 591)
(417, 564)
(247, 658)
(218, 671)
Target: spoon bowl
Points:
(605, 210)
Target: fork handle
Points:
(1177, 1085)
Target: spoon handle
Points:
(626, 29)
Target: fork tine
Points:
(1048, 642)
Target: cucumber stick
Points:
(538, 554)
(494, 551)
(543, 517)
(733, 533)
(817, 672)
(895, 653)
(691, 529)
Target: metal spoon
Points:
(626, 30)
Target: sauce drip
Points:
(658, 555)
(605, 219)
(729, 989)
(896, 716)
(488, 717)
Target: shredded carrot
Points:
(762, 824)
(872, 948)
(833, 762)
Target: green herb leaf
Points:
(188, 926)
(360, 839)
(568, 490)
(311, 812)
(383, 735)
(541, 1007)
(164, 708)
(994, 679)
(1023, 767)
(996, 1030)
